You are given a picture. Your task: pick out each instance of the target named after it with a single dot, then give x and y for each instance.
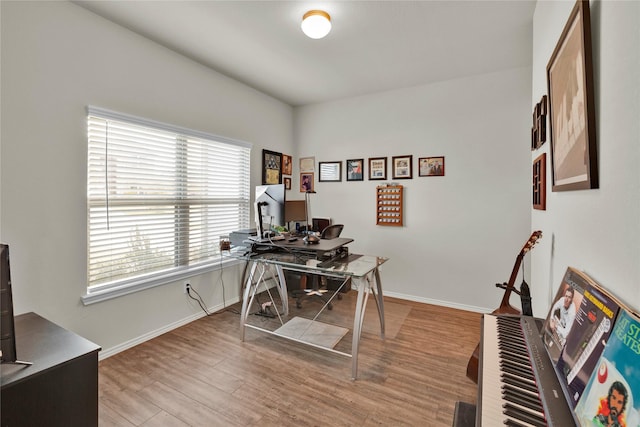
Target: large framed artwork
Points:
(271, 167)
(571, 105)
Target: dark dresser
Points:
(60, 388)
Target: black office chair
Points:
(318, 283)
(332, 231)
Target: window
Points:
(159, 198)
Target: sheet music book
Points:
(612, 394)
(586, 341)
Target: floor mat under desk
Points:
(312, 332)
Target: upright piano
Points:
(517, 383)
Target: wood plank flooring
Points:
(202, 375)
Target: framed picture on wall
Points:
(330, 171)
(571, 106)
(402, 167)
(377, 168)
(431, 166)
(271, 167)
(355, 168)
(287, 164)
(306, 182)
(307, 164)
(287, 183)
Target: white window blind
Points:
(159, 198)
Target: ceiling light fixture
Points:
(316, 24)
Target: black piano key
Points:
(518, 372)
(516, 382)
(522, 392)
(524, 416)
(514, 423)
(523, 400)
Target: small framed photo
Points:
(287, 183)
(330, 171)
(355, 170)
(402, 167)
(271, 167)
(306, 182)
(377, 168)
(431, 166)
(287, 164)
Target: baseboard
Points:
(448, 304)
(105, 353)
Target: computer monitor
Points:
(269, 208)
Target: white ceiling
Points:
(374, 46)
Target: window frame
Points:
(103, 291)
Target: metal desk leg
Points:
(282, 289)
(361, 304)
(377, 292)
(245, 299)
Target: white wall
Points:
(57, 58)
(596, 231)
(462, 231)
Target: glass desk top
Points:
(351, 265)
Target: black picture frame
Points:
(377, 168)
(271, 167)
(330, 171)
(402, 167)
(355, 170)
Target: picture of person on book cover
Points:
(584, 345)
(608, 399)
(562, 314)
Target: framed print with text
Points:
(377, 168)
(307, 164)
(271, 167)
(571, 106)
(402, 167)
(355, 168)
(330, 171)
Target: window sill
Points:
(119, 290)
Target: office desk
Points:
(363, 270)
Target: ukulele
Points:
(505, 306)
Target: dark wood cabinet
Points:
(60, 388)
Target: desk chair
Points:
(318, 283)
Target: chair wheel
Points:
(339, 296)
(330, 306)
(298, 304)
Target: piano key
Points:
(510, 377)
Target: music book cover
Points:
(562, 313)
(586, 341)
(611, 397)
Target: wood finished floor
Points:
(201, 374)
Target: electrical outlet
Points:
(187, 288)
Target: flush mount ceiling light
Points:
(316, 24)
